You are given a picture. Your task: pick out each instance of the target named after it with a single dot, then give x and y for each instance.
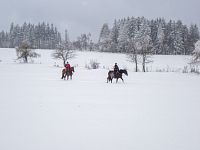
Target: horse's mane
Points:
(123, 69)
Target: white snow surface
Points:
(149, 111)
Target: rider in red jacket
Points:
(67, 66)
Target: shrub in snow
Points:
(195, 69)
(92, 65)
(191, 69)
(185, 69)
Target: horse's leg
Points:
(68, 76)
(109, 79)
(122, 79)
(64, 76)
(116, 80)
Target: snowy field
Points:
(149, 111)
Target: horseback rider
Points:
(116, 69)
(67, 66)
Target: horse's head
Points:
(72, 68)
(124, 71)
(64, 70)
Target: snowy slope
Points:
(150, 111)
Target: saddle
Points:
(116, 72)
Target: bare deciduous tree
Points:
(24, 52)
(133, 53)
(146, 52)
(64, 52)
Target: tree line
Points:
(40, 36)
(166, 38)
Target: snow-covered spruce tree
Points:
(104, 34)
(196, 54)
(66, 36)
(168, 38)
(178, 40)
(104, 38)
(64, 52)
(4, 39)
(184, 32)
(114, 34)
(83, 42)
(12, 37)
(132, 27)
(123, 37)
(193, 37)
(159, 43)
(24, 52)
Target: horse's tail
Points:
(109, 72)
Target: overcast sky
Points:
(83, 16)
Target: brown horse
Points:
(68, 73)
(116, 75)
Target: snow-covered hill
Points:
(150, 111)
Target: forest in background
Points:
(166, 37)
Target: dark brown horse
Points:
(116, 75)
(68, 73)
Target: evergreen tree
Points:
(193, 37)
(196, 53)
(154, 32)
(66, 36)
(12, 36)
(159, 43)
(185, 33)
(132, 28)
(114, 37)
(104, 38)
(123, 37)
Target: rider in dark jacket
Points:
(116, 69)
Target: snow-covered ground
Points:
(150, 111)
